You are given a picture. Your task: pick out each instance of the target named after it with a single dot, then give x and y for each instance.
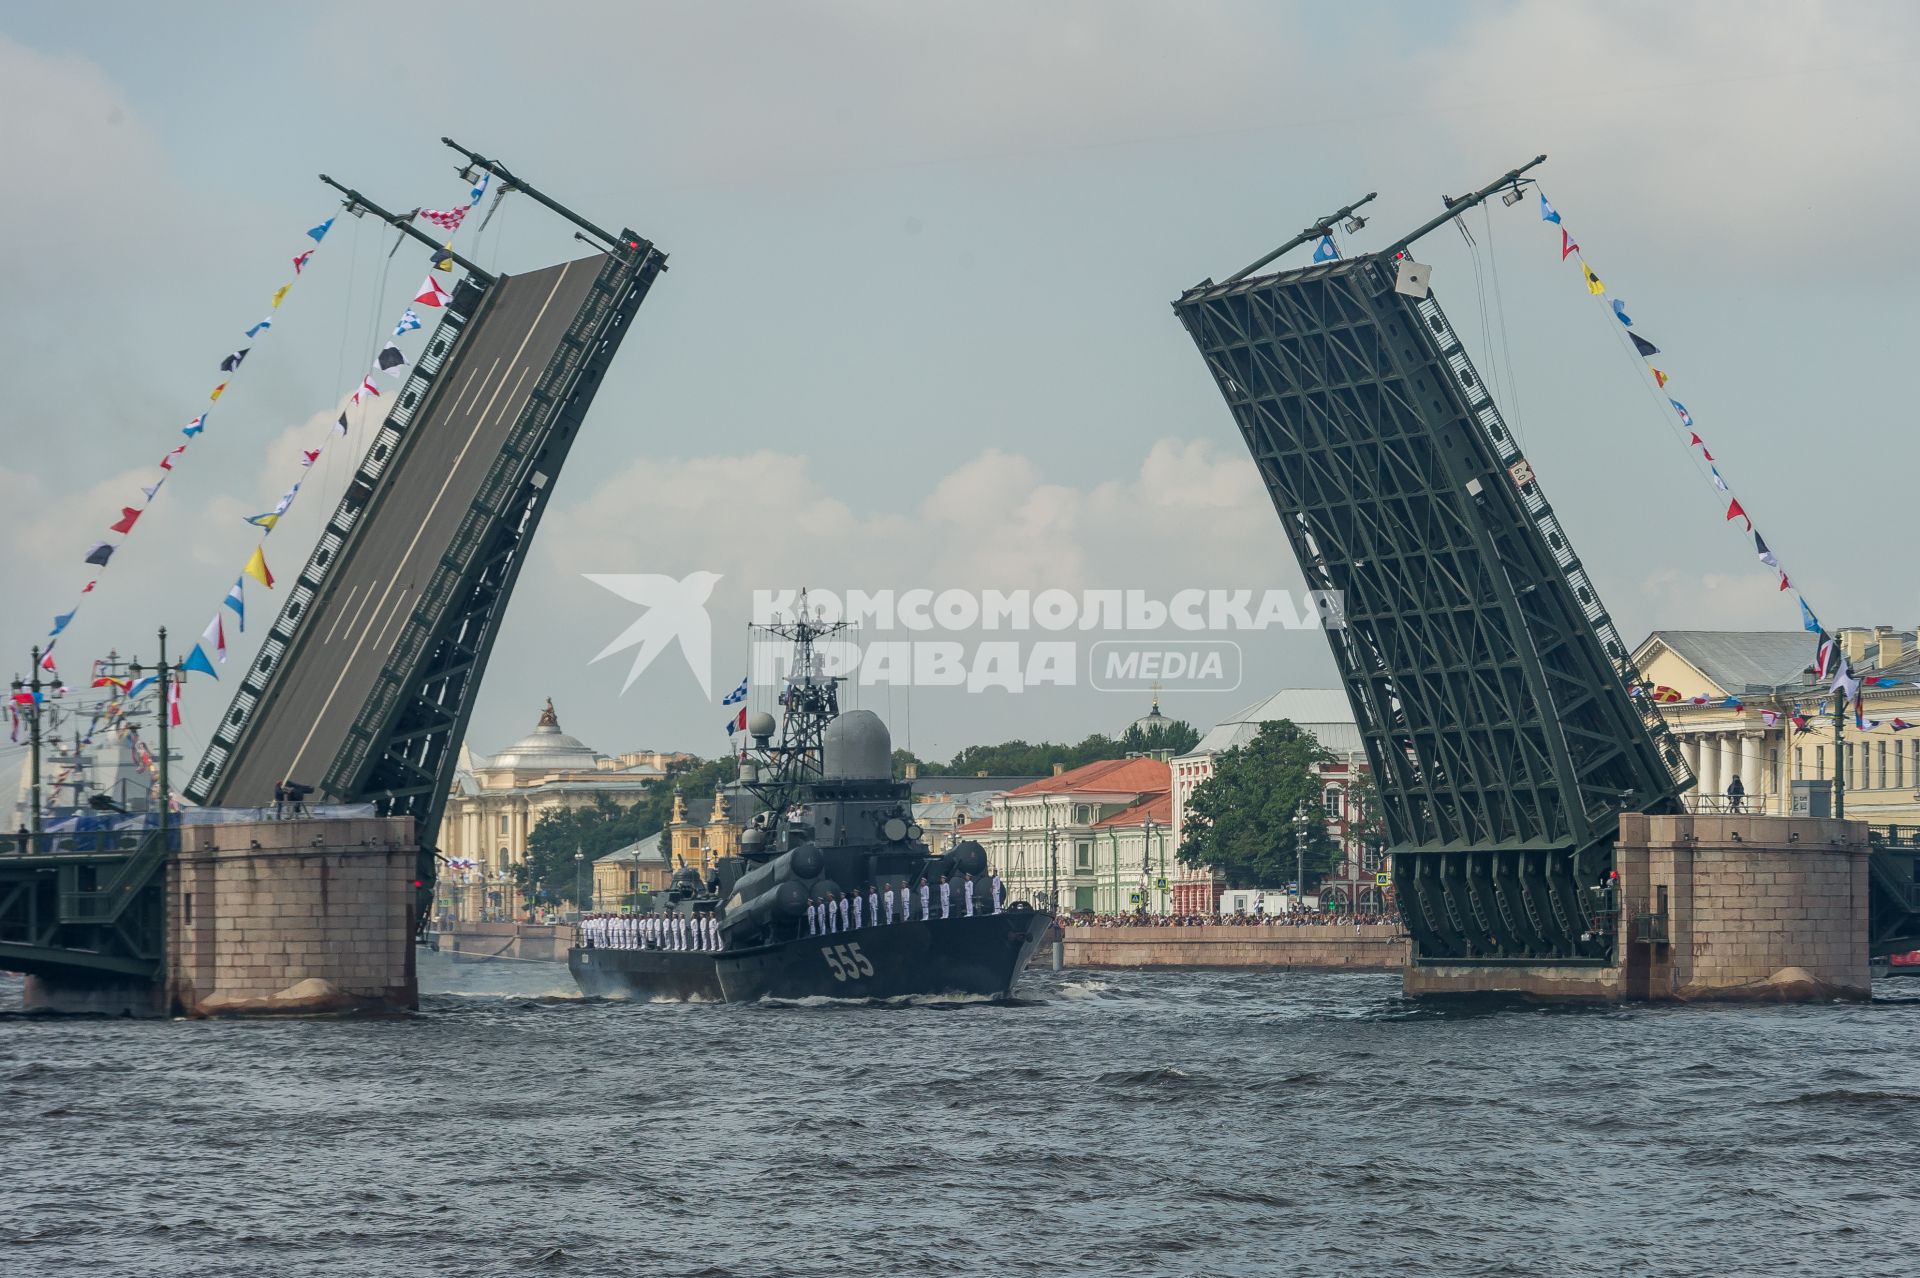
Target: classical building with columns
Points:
(1750, 706)
(497, 800)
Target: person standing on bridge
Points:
(1736, 794)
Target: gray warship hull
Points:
(980, 957)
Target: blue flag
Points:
(140, 685)
(1686, 418)
(1324, 251)
(260, 328)
(738, 695)
(1620, 309)
(1808, 621)
(60, 622)
(237, 600)
(195, 426)
(408, 322)
(479, 189)
(319, 232)
(197, 660)
(1547, 211)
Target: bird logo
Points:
(675, 610)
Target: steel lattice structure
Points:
(1486, 678)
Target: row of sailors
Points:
(650, 932)
(881, 906)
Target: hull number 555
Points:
(847, 962)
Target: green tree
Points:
(1240, 820)
(1036, 759)
(1175, 735)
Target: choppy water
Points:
(1168, 1123)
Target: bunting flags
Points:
(260, 328)
(300, 262)
(215, 638)
(1325, 251)
(257, 568)
(479, 189)
(308, 456)
(99, 553)
(60, 622)
(340, 426)
(218, 391)
(266, 521)
(1899, 725)
(280, 295)
(1824, 651)
(197, 660)
(449, 219)
(408, 322)
(366, 388)
(391, 360)
(1646, 349)
(431, 294)
(193, 428)
(1661, 693)
(738, 723)
(124, 524)
(1770, 717)
(319, 232)
(237, 600)
(735, 697)
(232, 362)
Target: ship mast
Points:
(779, 773)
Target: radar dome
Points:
(857, 747)
(760, 724)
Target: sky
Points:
(915, 330)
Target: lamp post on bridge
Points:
(579, 891)
(1300, 857)
(167, 675)
(31, 686)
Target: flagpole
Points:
(166, 716)
(33, 737)
(1323, 227)
(509, 181)
(1839, 766)
(357, 202)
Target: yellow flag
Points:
(1594, 286)
(279, 295)
(257, 568)
(216, 391)
(445, 263)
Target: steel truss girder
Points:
(1483, 673)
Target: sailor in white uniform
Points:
(999, 892)
(946, 898)
(886, 899)
(846, 913)
(813, 918)
(873, 906)
(966, 895)
(926, 892)
(856, 910)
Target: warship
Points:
(832, 821)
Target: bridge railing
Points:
(1499, 436)
(1753, 803)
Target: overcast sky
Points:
(916, 327)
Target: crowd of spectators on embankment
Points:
(1293, 918)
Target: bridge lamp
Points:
(1354, 223)
(1511, 198)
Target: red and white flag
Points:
(449, 218)
(431, 294)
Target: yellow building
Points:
(699, 841)
(623, 874)
(497, 800)
(1749, 707)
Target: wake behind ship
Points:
(833, 894)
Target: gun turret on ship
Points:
(834, 892)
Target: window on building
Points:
(1799, 764)
(1083, 856)
(1880, 764)
(1899, 765)
(1819, 763)
(1082, 814)
(503, 858)
(1330, 798)
(503, 823)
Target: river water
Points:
(1110, 1123)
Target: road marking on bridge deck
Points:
(346, 666)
